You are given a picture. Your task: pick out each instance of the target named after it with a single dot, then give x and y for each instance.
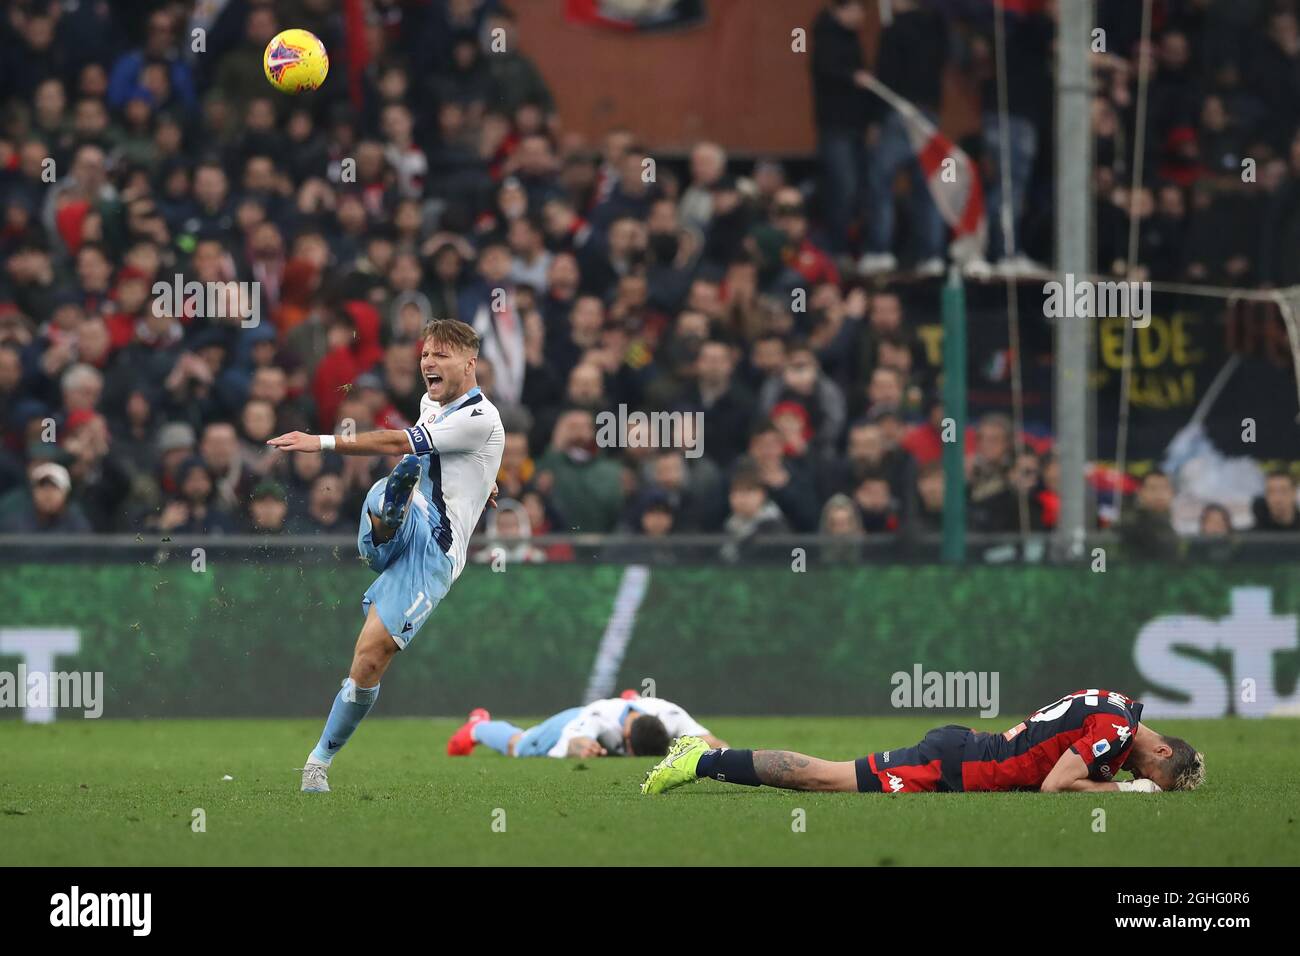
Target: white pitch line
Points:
(618, 632)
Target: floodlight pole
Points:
(1074, 153)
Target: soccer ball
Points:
(295, 60)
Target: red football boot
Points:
(461, 743)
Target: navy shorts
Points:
(933, 765)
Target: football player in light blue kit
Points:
(616, 726)
(416, 523)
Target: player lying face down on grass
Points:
(1076, 744)
(626, 726)
(415, 524)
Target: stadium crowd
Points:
(441, 173)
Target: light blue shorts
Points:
(414, 573)
(536, 741)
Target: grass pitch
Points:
(126, 793)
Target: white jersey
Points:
(464, 441)
(602, 721)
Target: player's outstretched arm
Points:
(385, 441)
(1070, 775)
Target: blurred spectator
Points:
(194, 509)
(1215, 522)
(515, 78)
(993, 501)
(1147, 532)
(928, 515)
(542, 521)
(753, 516)
(324, 514)
(803, 383)
(48, 509)
(1272, 73)
(586, 488)
(517, 467)
(841, 521)
(787, 485)
(803, 260)
(657, 516)
(1027, 481)
(267, 509)
(692, 488)
(924, 441)
(1215, 539)
(1276, 510)
(156, 71)
(876, 506)
(509, 522)
(655, 521)
(868, 452)
(220, 452)
(239, 74)
(257, 424)
(103, 480)
(840, 113)
(727, 405)
(791, 421)
(1029, 38)
(175, 444)
(913, 52)
(708, 166)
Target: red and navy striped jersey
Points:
(1098, 725)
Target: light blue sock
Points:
(495, 734)
(350, 706)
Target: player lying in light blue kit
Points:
(627, 726)
(416, 523)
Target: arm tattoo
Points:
(780, 768)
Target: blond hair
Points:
(1188, 764)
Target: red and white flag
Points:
(952, 178)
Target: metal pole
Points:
(954, 407)
(1073, 230)
(1139, 156)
